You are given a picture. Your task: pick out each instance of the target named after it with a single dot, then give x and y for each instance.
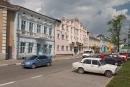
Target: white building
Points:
(28, 32)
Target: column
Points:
(4, 24)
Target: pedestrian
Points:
(102, 56)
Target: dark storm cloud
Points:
(92, 13)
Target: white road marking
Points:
(36, 76)
(7, 83)
(4, 65)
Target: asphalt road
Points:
(58, 75)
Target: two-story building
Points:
(27, 32)
(94, 43)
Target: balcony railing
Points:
(35, 35)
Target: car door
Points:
(42, 60)
(110, 61)
(87, 65)
(95, 66)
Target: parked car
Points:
(35, 61)
(88, 53)
(113, 60)
(124, 56)
(95, 65)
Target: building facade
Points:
(27, 33)
(3, 24)
(70, 37)
(94, 43)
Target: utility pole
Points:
(129, 38)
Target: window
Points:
(23, 25)
(42, 57)
(62, 48)
(62, 27)
(62, 37)
(70, 48)
(58, 36)
(94, 62)
(45, 29)
(66, 37)
(45, 49)
(38, 28)
(31, 27)
(87, 61)
(50, 48)
(57, 47)
(22, 47)
(30, 47)
(67, 28)
(50, 31)
(66, 48)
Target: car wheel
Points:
(33, 66)
(49, 64)
(80, 70)
(108, 74)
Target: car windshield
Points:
(87, 51)
(102, 62)
(32, 57)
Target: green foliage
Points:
(115, 29)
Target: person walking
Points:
(102, 56)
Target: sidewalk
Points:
(18, 62)
(10, 62)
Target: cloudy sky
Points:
(94, 14)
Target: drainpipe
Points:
(18, 39)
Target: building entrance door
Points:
(39, 49)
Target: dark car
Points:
(35, 61)
(113, 60)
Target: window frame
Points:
(23, 25)
(45, 29)
(38, 28)
(96, 61)
(85, 61)
(31, 25)
(62, 48)
(22, 47)
(30, 47)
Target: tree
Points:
(115, 29)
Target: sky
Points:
(93, 14)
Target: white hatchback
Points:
(95, 65)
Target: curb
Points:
(1, 65)
(4, 65)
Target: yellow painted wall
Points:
(10, 32)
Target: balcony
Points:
(35, 35)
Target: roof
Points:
(16, 8)
(91, 58)
(20, 7)
(94, 38)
